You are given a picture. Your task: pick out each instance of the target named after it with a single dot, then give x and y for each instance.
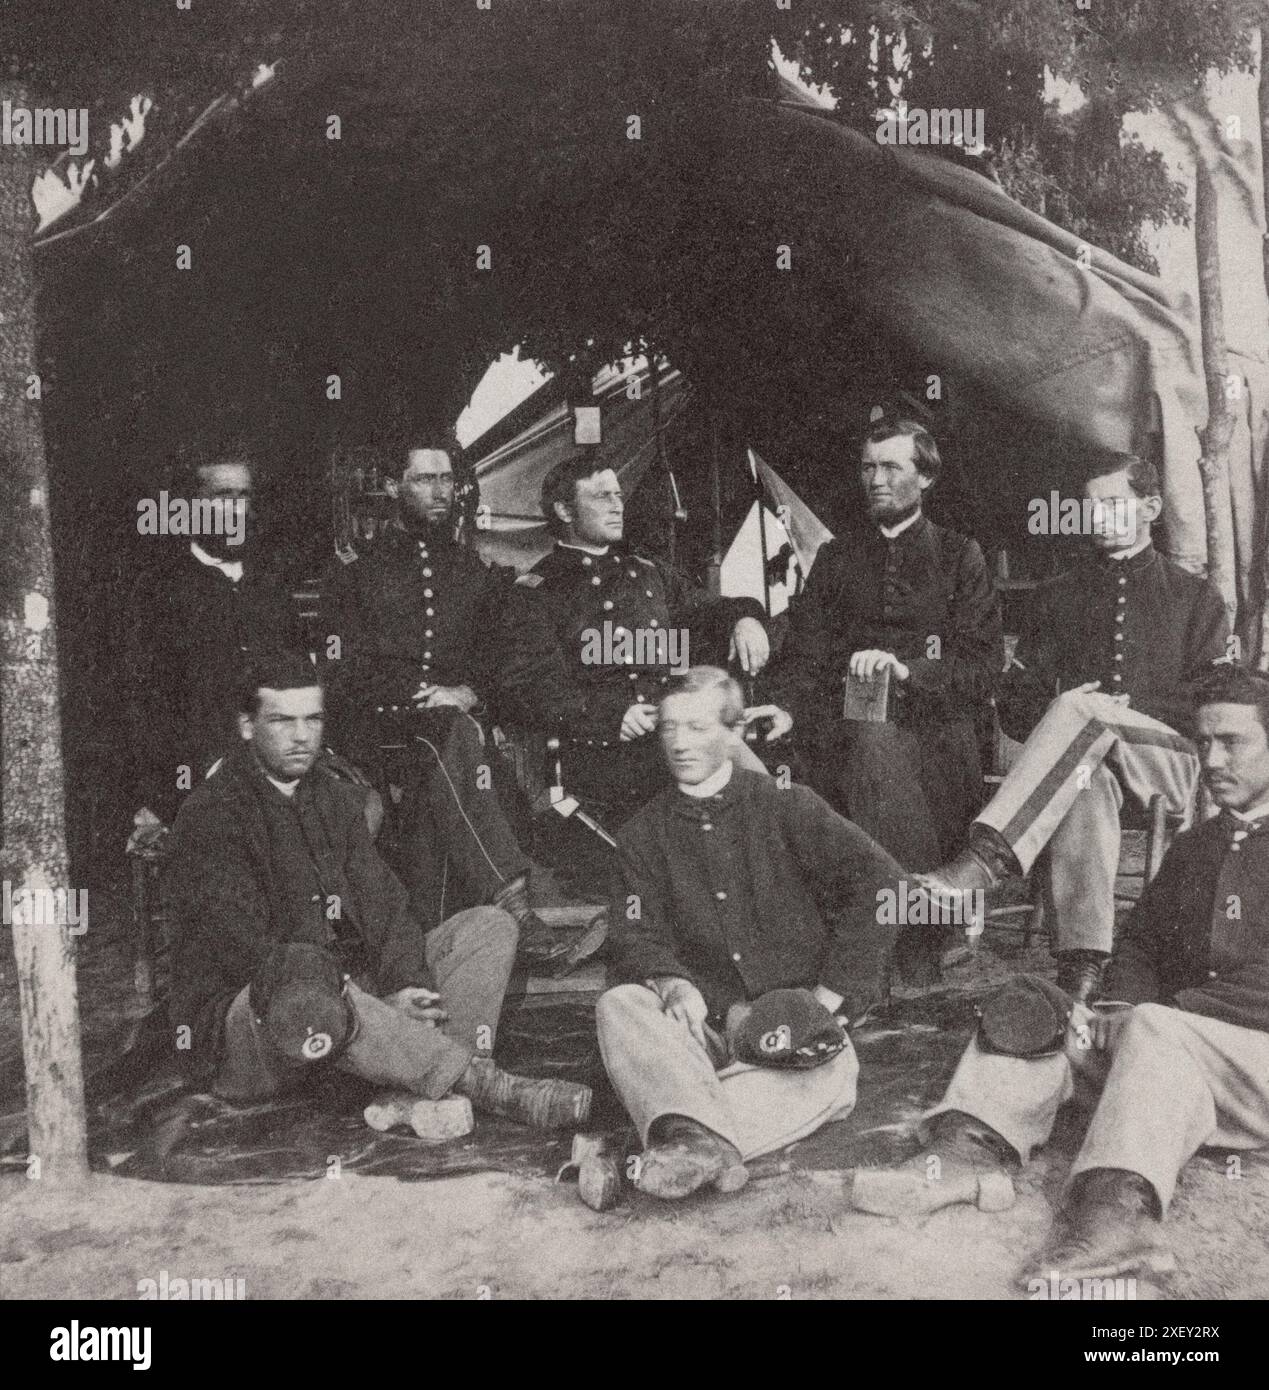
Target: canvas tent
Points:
(1022, 312)
(1010, 309)
(932, 253)
(770, 567)
(511, 529)
(897, 239)
(1028, 313)
(309, 250)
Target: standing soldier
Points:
(593, 634)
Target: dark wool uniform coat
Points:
(925, 595)
(250, 868)
(758, 887)
(1199, 937)
(556, 614)
(189, 633)
(570, 593)
(1142, 627)
(411, 609)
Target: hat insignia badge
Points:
(316, 1045)
(777, 1040)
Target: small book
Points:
(868, 699)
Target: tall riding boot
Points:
(541, 1102)
(540, 948)
(1080, 974)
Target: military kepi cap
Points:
(787, 1028)
(1025, 1018)
(298, 999)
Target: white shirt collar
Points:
(286, 788)
(1117, 557)
(587, 549)
(890, 532)
(713, 784)
(231, 568)
(1256, 813)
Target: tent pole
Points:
(670, 488)
(762, 531)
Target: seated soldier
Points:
(745, 928)
(411, 662)
(899, 598)
(1179, 1053)
(1121, 636)
(895, 593)
(593, 633)
(293, 944)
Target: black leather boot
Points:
(1110, 1229)
(682, 1156)
(538, 947)
(542, 1102)
(983, 863)
(1080, 974)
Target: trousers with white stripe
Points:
(1060, 804)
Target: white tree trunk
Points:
(1216, 434)
(34, 857)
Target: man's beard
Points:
(888, 514)
(435, 530)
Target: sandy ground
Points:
(492, 1235)
(791, 1235)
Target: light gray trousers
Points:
(658, 1068)
(469, 959)
(1175, 1082)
